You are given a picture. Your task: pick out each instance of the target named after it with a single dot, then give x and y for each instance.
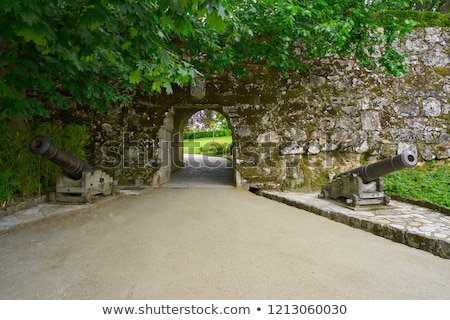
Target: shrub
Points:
(8, 186)
(213, 148)
(27, 174)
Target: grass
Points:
(430, 183)
(196, 145)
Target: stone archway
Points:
(181, 115)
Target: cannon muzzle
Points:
(71, 165)
(374, 171)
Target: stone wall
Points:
(296, 131)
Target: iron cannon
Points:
(78, 181)
(363, 186)
(71, 165)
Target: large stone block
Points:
(409, 110)
(431, 107)
(403, 135)
(268, 137)
(370, 121)
(290, 148)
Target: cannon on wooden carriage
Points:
(363, 186)
(78, 181)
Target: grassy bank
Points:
(430, 183)
(207, 145)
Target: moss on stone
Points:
(442, 71)
(314, 178)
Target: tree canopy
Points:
(98, 52)
(208, 120)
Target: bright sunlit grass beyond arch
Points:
(206, 132)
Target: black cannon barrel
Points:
(371, 172)
(71, 165)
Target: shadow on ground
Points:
(202, 171)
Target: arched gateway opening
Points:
(189, 166)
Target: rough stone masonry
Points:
(295, 131)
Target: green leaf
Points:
(133, 32)
(135, 77)
(214, 21)
(93, 17)
(34, 34)
(156, 85)
(29, 17)
(168, 87)
(221, 12)
(6, 91)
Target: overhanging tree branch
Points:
(96, 52)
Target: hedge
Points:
(206, 134)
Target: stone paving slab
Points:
(45, 211)
(35, 214)
(409, 224)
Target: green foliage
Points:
(28, 174)
(204, 134)
(288, 34)
(97, 53)
(8, 186)
(421, 19)
(206, 120)
(214, 148)
(430, 182)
